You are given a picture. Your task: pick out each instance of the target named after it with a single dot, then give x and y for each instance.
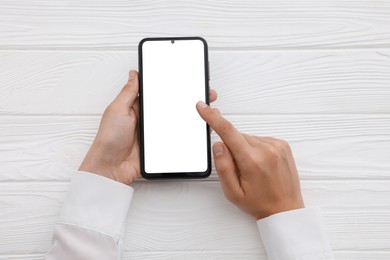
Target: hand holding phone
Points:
(115, 151)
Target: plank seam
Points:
(76, 115)
(211, 49)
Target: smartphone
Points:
(173, 77)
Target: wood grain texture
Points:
(247, 82)
(225, 24)
(162, 221)
(225, 255)
(314, 73)
(338, 147)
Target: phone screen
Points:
(174, 79)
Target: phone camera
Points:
(172, 41)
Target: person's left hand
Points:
(115, 151)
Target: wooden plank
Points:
(233, 24)
(195, 217)
(209, 255)
(244, 255)
(61, 82)
(22, 257)
(353, 147)
(247, 82)
(228, 255)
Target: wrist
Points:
(105, 172)
(92, 166)
(95, 164)
(277, 208)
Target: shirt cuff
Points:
(97, 203)
(296, 234)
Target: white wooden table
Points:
(316, 73)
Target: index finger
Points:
(228, 133)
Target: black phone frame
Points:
(171, 175)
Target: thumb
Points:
(130, 91)
(226, 170)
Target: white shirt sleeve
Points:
(92, 219)
(295, 235)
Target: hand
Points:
(115, 151)
(257, 174)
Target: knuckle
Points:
(271, 155)
(226, 127)
(109, 108)
(252, 158)
(133, 118)
(284, 143)
(129, 87)
(223, 169)
(234, 198)
(131, 79)
(283, 146)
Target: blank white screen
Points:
(175, 136)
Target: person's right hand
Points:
(257, 174)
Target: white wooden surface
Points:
(314, 73)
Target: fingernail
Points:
(202, 104)
(218, 149)
(132, 74)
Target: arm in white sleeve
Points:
(295, 235)
(92, 219)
